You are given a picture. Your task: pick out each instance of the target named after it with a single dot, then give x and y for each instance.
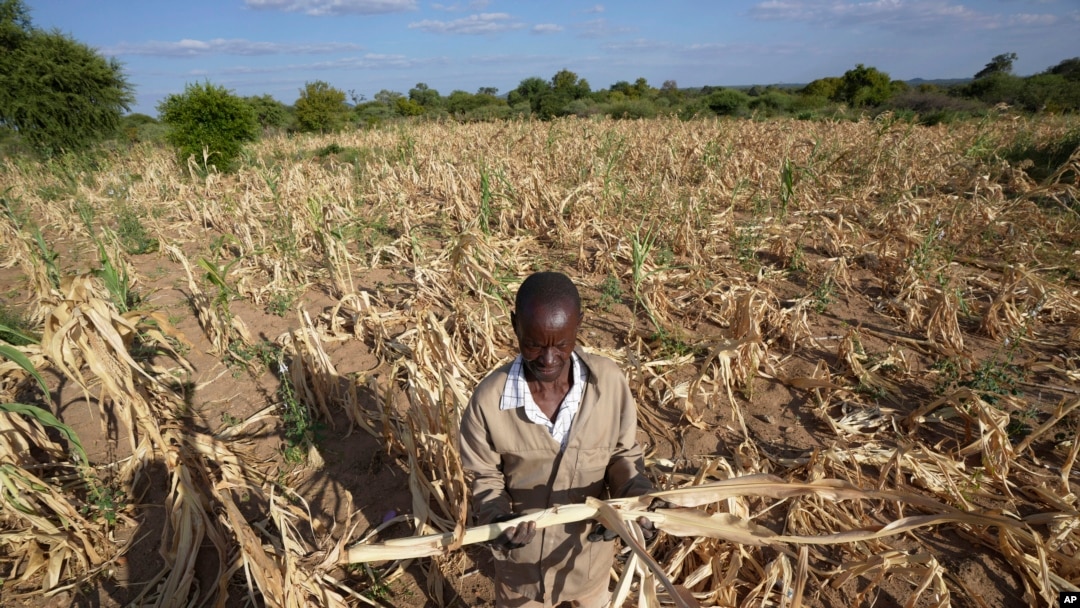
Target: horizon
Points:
(257, 47)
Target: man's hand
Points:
(602, 533)
(514, 537)
(648, 530)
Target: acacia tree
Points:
(321, 108)
(1000, 64)
(57, 93)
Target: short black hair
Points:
(548, 287)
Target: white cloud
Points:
(638, 44)
(510, 60)
(335, 7)
(222, 46)
(457, 7)
(600, 28)
(368, 61)
(928, 15)
(547, 28)
(1033, 20)
(718, 50)
(596, 9)
(483, 23)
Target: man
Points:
(550, 428)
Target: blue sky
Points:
(274, 46)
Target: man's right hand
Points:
(515, 537)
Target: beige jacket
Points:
(517, 468)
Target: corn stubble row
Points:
(683, 213)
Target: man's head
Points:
(546, 317)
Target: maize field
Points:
(855, 348)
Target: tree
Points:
(425, 96)
(670, 91)
(1069, 68)
(823, 87)
(321, 108)
(532, 91)
(15, 25)
(387, 97)
(208, 122)
(727, 102)
(55, 92)
(568, 86)
(1000, 64)
(1050, 92)
(271, 113)
(863, 86)
(489, 91)
(407, 107)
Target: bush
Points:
(728, 102)
(406, 107)
(373, 114)
(271, 113)
(491, 112)
(998, 88)
(584, 108)
(208, 121)
(772, 103)
(56, 93)
(930, 108)
(321, 108)
(633, 108)
(137, 128)
(1050, 93)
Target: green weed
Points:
(823, 295)
(132, 234)
(610, 292)
(280, 303)
(745, 241)
(298, 425)
(15, 327)
(104, 500)
(47, 256)
(264, 352)
(116, 281)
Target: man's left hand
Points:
(602, 533)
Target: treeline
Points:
(858, 91)
(58, 95)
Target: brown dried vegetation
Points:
(854, 346)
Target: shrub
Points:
(139, 127)
(321, 108)
(271, 113)
(772, 103)
(633, 108)
(373, 113)
(491, 112)
(728, 102)
(931, 108)
(208, 121)
(1050, 93)
(406, 107)
(584, 108)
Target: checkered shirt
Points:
(517, 394)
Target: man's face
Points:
(546, 334)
